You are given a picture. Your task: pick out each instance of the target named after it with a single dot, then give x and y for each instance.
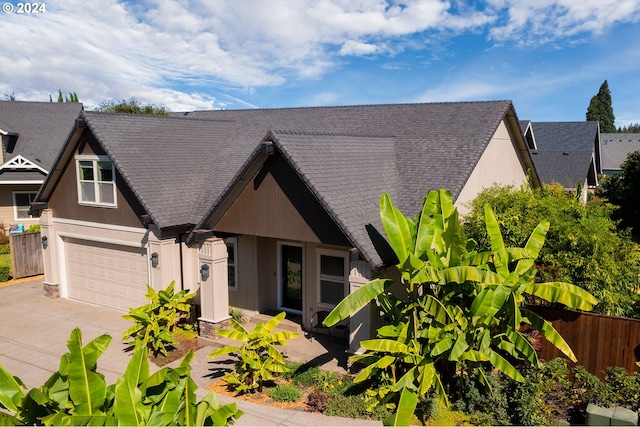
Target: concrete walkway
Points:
(34, 331)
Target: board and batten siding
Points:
(64, 201)
(277, 204)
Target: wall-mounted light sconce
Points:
(45, 242)
(154, 259)
(204, 272)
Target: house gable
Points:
(499, 164)
(64, 199)
(276, 204)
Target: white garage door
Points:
(111, 275)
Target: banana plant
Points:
(76, 394)
(461, 306)
(257, 357)
(155, 323)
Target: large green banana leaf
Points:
(501, 259)
(86, 387)
(406, 408)
(565, 293)
(128, 402)
(356, 300)
(549, 332)
(11, 390)
(397, 227)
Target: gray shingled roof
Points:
(42, 127)
(180, 168)
(348, 156)
(615, 148)
(439, 143)
(166, 160)
(565, 151)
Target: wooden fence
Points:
(598, 341)
(26, 255)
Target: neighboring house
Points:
(265, 210)
(615, 149)
(565, 152)
(32, 135)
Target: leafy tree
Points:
(461, 309)
(583, 242)
(601, 110)
(73, 97)
(624, 191)
(133, 106)
(632, 128)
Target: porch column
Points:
(167, 269)
(363, 323)
(50, 255)
(214, 289)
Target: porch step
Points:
(286, 325)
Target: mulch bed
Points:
(176, 351)
(261, 398)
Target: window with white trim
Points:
(22, 203)
(333, 278)
(96, 181)
(232, 256)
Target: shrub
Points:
(285, 393)
(486, 403)
(305, 375)
(626, 388)
(544, 396)
(236, 314)
(4, 239)
(317, 400)
(33, 228)
(583, 242)
(5, 249)
(587, 388)
(5, 273)
(434, 413)
(155, 322)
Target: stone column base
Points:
(51, 291)
(209, 329)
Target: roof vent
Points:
(565, 153)
(534, 151)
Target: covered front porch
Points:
(264, 276)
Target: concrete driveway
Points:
(34, 331)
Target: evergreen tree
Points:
(73, 97)
(601, 109)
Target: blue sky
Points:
(548, 56)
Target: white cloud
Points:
(352, 47)
(544, 21)
(176, 52)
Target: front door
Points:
(290, 277)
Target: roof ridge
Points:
(167, 117)
(330, 133)
(353, 105)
